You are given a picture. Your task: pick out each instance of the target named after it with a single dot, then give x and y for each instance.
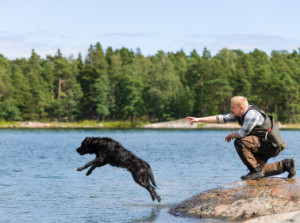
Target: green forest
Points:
(123, 84)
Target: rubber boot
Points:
(254, 174)
(289, 165)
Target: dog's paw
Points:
(79, 169)
(158, 198)
(89, 172)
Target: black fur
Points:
(109, 151)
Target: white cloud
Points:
(117, 34)
(13, 49)
(45, 43)
(21, 45)
(246, 43)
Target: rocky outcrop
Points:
(34, 125)
(176, 124)
(243, 200)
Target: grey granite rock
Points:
(243, 200)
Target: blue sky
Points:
(151, 25)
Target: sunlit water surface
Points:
(39, 181)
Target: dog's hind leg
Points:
(146, 184)
(151, 176)
(152, 192)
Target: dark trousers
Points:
(254, 152)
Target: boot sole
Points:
(255, 176)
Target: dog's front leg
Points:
(91, 170)
(93, 162)
(97, 164)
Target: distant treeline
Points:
(123, 84)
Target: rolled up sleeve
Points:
(221, 119)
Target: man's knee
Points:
(238, 144)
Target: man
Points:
(256, 141)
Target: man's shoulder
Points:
(253, 114)
(252, 111)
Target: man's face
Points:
(236, 110)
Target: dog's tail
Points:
(151, 176)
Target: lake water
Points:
(39, 181)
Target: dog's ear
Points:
(88, 140)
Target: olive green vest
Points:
(268, 131)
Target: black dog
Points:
(109, 151)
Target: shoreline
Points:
(176, 124)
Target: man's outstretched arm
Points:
(208, 119)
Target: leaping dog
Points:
(109, 151)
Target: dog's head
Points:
(86, 146)
(91, 145)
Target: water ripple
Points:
(39, 181)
